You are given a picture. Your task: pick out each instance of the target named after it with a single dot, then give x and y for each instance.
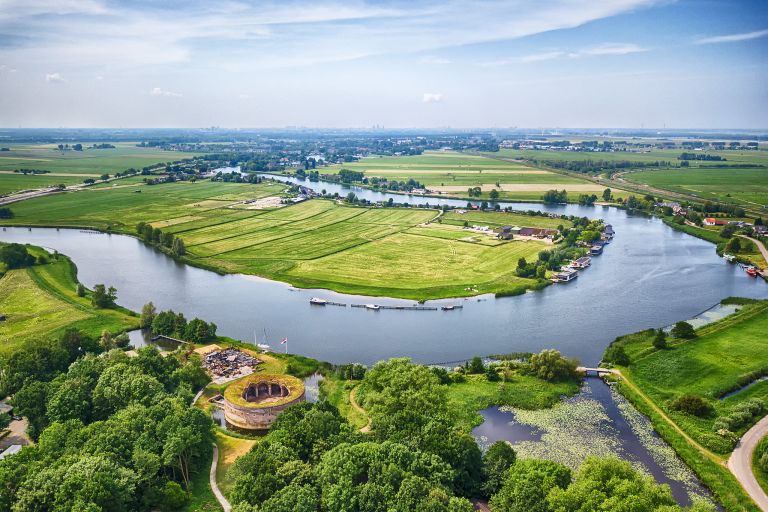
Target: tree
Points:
(660, 340)
(164, 323)
(496, 461)
(683, 330)
(476, 366)
(104, 177)
(611, 484)
(733, 246)
(178, 247)
(103, 297)
(527, 484)
(198, 331)
(80, 290)
(550, 365)
(148, 314)
(616, 354)
(607, 194)
(16, 256)
(6, 213)
(493, 195)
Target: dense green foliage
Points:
(114, 433)
(15, 256)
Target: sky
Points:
(396, 64)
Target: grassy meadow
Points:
(734, 180)
(747, 187)
(317, 243)
(707, 365)
(452, 173)
(72, 167)
(41, 301)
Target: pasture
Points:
(745, 186)
(707, 365)
(452, 173)
(396, 252)
(40, 302)
(71, 167)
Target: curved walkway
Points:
(356, 406)
(214, 486)
(759, 245)
(740, 463)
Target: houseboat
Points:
(451, 307)
(565, 276)
(608, 231)
(582, 262)
(596, 250)
(317, 301)
(373, 307)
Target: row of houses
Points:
(712, 221)
(508, 232)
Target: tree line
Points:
(156, 237)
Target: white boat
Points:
(582, 262)
(729, 258)
(374, 307)
(565, 276)
(318, 301)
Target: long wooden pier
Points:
(164, 337)
(409, 308)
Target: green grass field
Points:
(452, 173)
(706, 366)
(747, 187)
(72, 167)
(370, 251)
(40, 301)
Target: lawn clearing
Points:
(41, 302)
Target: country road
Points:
(740, 463)
(760, 246)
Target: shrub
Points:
(740, 416)
(693, 405)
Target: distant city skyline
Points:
(419, 64)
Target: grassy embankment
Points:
(714, 362)
(41, 302)
(314, 244)
(760, 473)
(72, 167)
(451, 173)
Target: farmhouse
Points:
(711, 221)
(504, 232)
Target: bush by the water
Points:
(683, 330)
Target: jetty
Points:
(168, 338)
(408, 308)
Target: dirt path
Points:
(214, 486)
(356, 406)
(740, 463)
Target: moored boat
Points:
(374, 307)
(752, 271)
(730, 258)
(318, 301)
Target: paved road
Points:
(215, 486)
(759, 245)
(740, 463)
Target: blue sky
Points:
(458, 63)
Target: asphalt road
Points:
(740, 463)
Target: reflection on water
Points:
(597, 421)
(312, 387)
(143, 338)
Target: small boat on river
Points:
(318, 301)
(752, 271)
(730, 258)
(451, 307)
(373, 307)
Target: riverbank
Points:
(403, 253)
(41, 301)
(719, 360)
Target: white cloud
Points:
(432, 97)
(54, 78)
(431, 59)
(6, 69)
(609, 49)
(733, 38)
(157, 91)
(538, 57)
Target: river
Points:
(649, 275)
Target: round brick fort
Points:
(254, 402)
